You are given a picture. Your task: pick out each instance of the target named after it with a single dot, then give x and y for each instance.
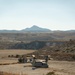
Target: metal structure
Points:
(41, 64)
(35, 62)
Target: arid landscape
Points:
(11, 65)
(60, 50)
(60, 46)
(37, 37)
(58, 67)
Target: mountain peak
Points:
(35, 28)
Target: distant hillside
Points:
(9, 31)
(64, 51)
(35, 28)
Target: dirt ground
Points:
(59, 67)
(5, 53)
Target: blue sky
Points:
(51, 14)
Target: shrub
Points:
(8, 55)
(17, 56)
(50, 73)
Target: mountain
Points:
(35, 28)
(70, 30)
(9, 31)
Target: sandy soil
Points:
(4, 53)
(62, 67)
(59, 67)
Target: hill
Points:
(65, 51)
(35, 28)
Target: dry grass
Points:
(58, 67)
(5, 53)
(7, 63)
(5, 60)
(5, 73)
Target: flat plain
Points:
(58, 67)
(5, 53)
